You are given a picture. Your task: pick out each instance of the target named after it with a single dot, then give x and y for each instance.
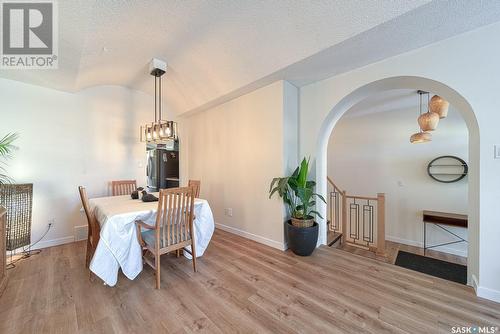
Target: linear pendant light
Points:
(160, 130)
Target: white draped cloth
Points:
(118, 246)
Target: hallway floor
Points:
(241, 286)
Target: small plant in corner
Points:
(6, 148)
(299, 197)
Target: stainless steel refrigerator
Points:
(162, 166)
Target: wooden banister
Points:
(333, 184)
(381, 224)
(345, 209)
(362, 197)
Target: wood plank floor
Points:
(392, 249)
(241, 286)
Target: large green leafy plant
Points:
(297, 192)
(6, 148)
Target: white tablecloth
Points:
(118, 246)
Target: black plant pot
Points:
(302, 240)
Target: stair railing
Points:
(360, 219)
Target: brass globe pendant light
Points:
(439, 106)
(421, 136)
(427, 121)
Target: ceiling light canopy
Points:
(159, 130)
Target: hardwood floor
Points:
(241, 286)
(392, 249)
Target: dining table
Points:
(118, 246)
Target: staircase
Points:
(357, 221)
(333, 236)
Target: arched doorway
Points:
(408, 82)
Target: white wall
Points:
(67, 140)
(290, 127)
(236, 149)
(371, 153)
(468, 64)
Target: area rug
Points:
(438, 268)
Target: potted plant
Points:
(6, 149)
(300, 199)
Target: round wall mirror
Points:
(447, 169)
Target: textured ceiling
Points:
(387, 101)
(218, 49)
(396, 100)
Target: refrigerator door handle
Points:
(148, 169)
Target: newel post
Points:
(381, 224)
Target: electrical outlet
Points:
(229, 212)
(52, 221)
(497, 152)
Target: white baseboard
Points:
(420, 244)
(54, 242)
(251, 236)
(80, 233)
(483, 292)
(487, 293)
(474, 282)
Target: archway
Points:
(408, 82)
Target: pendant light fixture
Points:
(160, 130)
(439, 106)
(421, 136)
(427, 121)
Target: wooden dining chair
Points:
(196, 184)
(93, 226)
(173, 229)
(123, 187)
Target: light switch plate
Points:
(497, 152)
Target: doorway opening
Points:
(463, 111)
(421, 188)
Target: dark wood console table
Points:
(443, 218)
